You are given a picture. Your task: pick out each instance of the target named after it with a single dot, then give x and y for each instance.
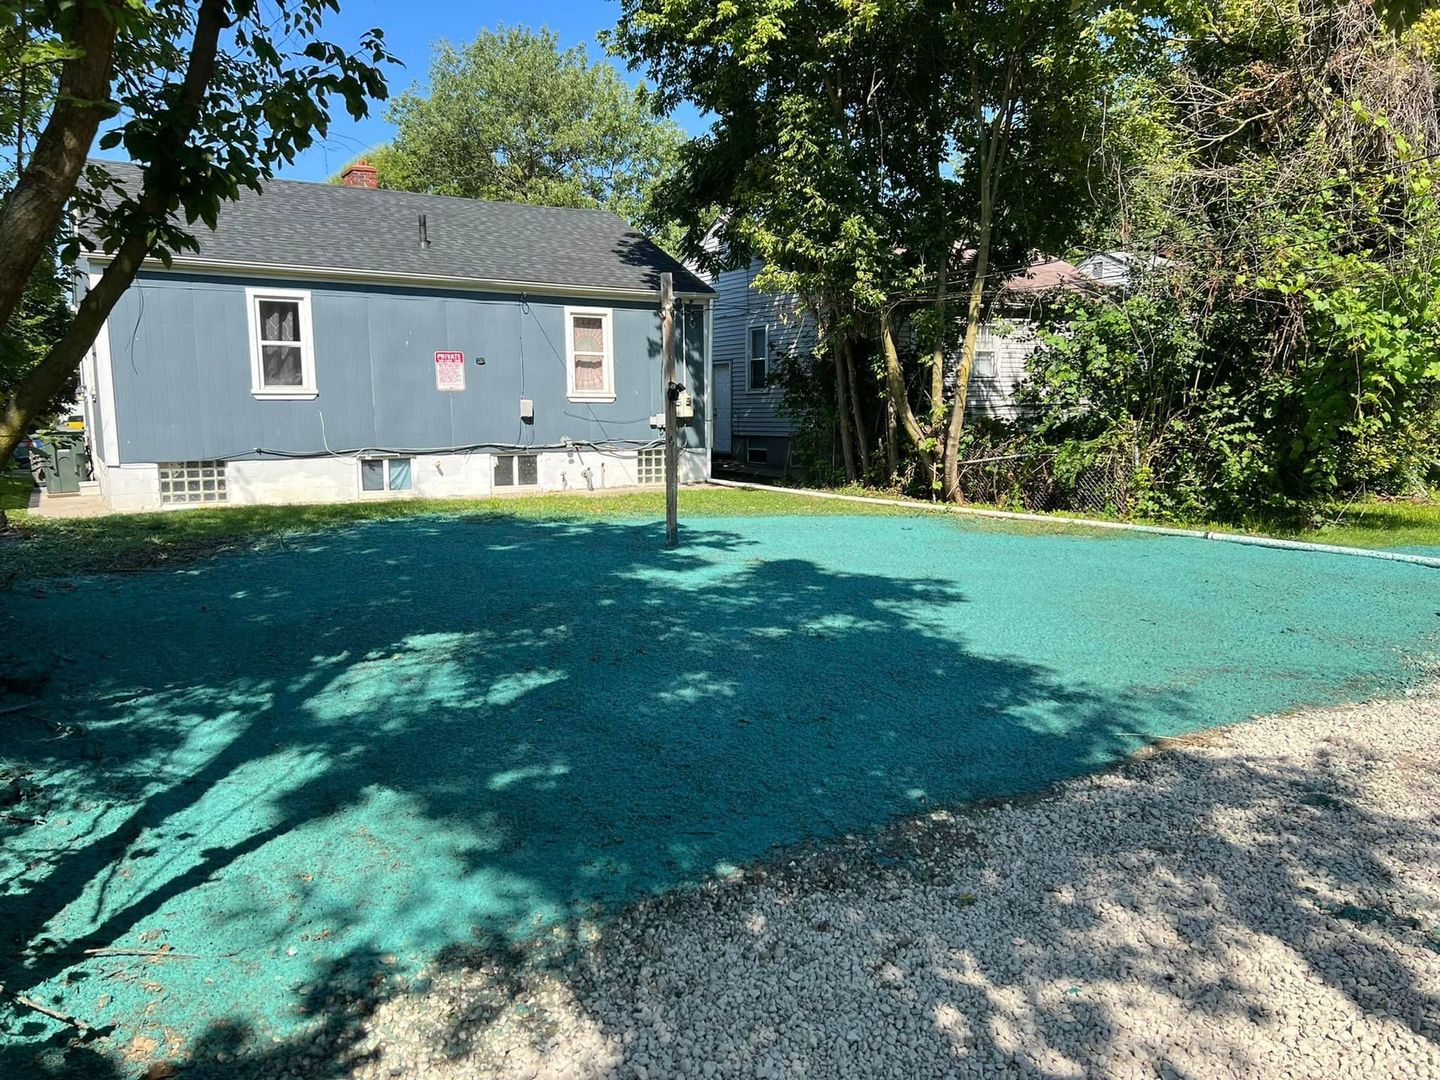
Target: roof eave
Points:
(340, 273)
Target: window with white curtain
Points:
(590, 354)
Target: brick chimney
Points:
(361, 174)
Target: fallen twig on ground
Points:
(166, 952)
(54, 1014)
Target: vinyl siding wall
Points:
(1012, 341)
(180, 362)
(738, 307)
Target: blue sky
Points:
(413, 26)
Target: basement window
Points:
(757, 452)
(192, 482)
(385, 474)
(650, 466)
(512, 470)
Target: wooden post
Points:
(672, 455)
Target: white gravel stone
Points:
(1259, 901)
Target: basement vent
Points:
(650, 466)
(192, 482)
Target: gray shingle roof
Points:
(327, 226)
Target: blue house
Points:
(341, 342)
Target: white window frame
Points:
(385, 491)
(994, 366)
(607, 315)
(750, 358)
(307, 388)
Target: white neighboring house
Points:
(752, 329)
(1011, 335)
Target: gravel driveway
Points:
(1260, 901)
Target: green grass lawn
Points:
(15, 487)
(1383, 525)
(40, 547)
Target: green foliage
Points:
(41, 319)
(268, 98)
(807, 385)
(512, 116)
(859, 146)
(1284, 352)
(1368, 383)
(1143, 383)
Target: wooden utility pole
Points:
(672, 450)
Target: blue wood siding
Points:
(182, 379)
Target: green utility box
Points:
(66, 470)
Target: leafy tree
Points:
(1285, 348)
(40, 319)
(512, 116)
(28, 72)
(869, 151)
(208, 97)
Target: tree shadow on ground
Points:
(331, 761)
(1205, 912)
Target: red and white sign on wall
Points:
(449, 371)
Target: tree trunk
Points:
(45, 380)
(901, 414)
(842, 410)
(862, 440)
(937, 358)
(31, 214)
(992, 163)
(973, 312)
(892, 445)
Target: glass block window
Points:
(516, 469)
(192, 482)
(650, 466)
(385, 474)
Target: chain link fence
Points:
(1033, 482)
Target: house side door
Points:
(721, 418)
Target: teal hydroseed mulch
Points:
(318, 765)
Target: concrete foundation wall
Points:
(433, 476)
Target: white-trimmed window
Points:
(516, 470)
(985, 366)
(758, 356)
(590, 354)
(282, 344)
(385, 474)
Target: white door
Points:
(721, 417)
